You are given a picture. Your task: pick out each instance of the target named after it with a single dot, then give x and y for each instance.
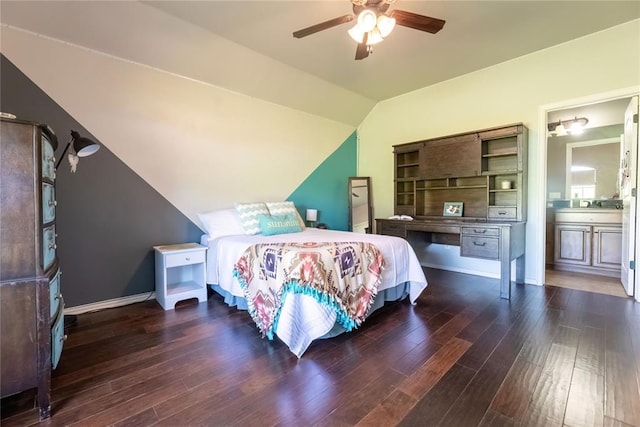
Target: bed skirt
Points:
(390, 294)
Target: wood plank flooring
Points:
(460, 357)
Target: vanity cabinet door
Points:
(572, 244)
(607, 247)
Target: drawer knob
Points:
(53, 203)
(58, 296)
(479, 244)
(53, 246)
(480, 231)
(63, 338)
(187, 258)
(502, 213)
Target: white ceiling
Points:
(248, 47)
(477, 34)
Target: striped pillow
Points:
(249, 214)
(285, 208)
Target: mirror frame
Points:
(367, 181)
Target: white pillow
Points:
(285, 208)
(224, 222)
(249, 216)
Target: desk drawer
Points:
(393, 229)
(481, 231)
(480, 247)
(509, 213)
(185, 258)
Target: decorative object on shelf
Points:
(505, 185)
(82, 147)
(452, 209)
(573, 126)
(312, 217)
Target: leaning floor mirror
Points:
(360, 220)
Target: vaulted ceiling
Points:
(247, 46)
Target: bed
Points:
(303, 317)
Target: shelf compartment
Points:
(431, 203)
(500, 164)
(503, 198)
(500, 146)
(408, 171)
(409, 158)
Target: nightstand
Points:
(180, 273)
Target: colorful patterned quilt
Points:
(342, 275)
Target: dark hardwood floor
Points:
(461, 357)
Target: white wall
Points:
(510, 92)
(202, 147)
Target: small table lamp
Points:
(312, 217)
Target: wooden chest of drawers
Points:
(31, 303)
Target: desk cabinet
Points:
(31, 303)
(503, 242)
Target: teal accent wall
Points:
(327, 186)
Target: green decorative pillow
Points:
(248, 213)
(285, 208)
(278, 224)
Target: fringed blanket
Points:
(344, 276)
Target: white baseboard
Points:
(110, 303)
(460, 270)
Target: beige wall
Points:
(514, 91)
(201, 146)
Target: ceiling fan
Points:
(374, 22)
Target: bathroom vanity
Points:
(588, 240)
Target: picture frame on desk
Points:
(452, 209)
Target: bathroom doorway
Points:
(584, 221)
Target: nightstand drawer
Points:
(480, 247)
(184, 258)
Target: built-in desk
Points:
(502, 241)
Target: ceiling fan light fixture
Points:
(374, 37)
(385, 24)
(356, 33)
(367, 20)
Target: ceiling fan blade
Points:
(417, 22)
(322, 26)
(362, 51)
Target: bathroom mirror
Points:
(592, 169)
(360, 211)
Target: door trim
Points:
(539, 200)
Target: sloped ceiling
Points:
(247, 46)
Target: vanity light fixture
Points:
(82, 147)
(573, 126)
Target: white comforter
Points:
(302, 318)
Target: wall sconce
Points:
(82, 147)
(573, 126)
(312, 217)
